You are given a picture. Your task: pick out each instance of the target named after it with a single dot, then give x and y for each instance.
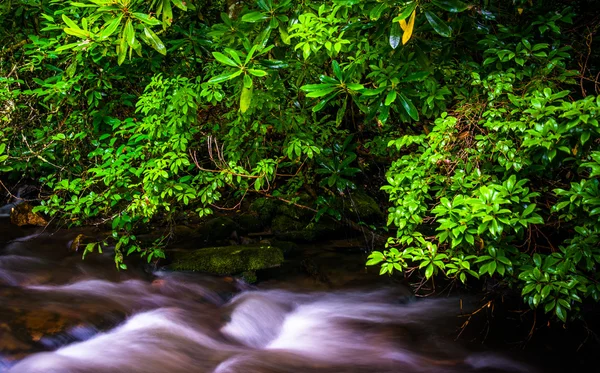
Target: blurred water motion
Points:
(59, 314)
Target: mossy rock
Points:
(325, 229)
(284, 223)
(248, 276)
(361, 207)
(227, 260)
(265, 208)
(217, 229)
(268, 209)
(250, 223)
(22, 214)
(294, 211)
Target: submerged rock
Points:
(227, 260)
(23, 214)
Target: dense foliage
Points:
(128, 111)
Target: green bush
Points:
(130, 113)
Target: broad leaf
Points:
(224, 77)
(408, 106)
(154, 41)
(77, 32)
(337, 71)
(395, 35)
(408, 30)
(454, 6)
(257, 72)
(224, 59)
(438, 25)
(152, 21)
(70, 22)
(245, 99)
(121, 50)
(321, 92)
(391, 97)
(254, 17)
(406, 12)
(111, 27)
(129, 33)
(180, 4)
(247, 81)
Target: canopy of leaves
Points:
(132, 111)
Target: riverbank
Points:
(321, 311)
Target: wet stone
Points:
(23, 214)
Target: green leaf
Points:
(144, 18)
(315, 87)
(321, 92)
(438, 25)
(167, 13)
(129, 33)
(537, 259)
(180, 4)
(224, 59)
(376, 256)
(245, 99)
(70, 22)
(323, 102)
(409, 107)
(561, 313)
(111, 27)
(285, 37)
(549, 306)
(257, 72)
(414, 77)
(491, 268)
(77, 32)
(391, 97)
(406, 12)
(337, 71)
(121, 50)
(454, 6)
(429, 270)
(234, 55)
(355, 86)
(254, 17)
(154, 41)
(224, 77)
(395, 35)
(274, 64)
(247, 81)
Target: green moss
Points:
(360, 207)
(248, 276)
(227, 260)
(250, 223)
(265, 208)
(219, 228)
(367, 206)
(284, 223)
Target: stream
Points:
(61, 314)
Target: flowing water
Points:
(61, 314)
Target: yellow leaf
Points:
(245, 99)
(403, 24)
(409, 28)
(520, 10)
